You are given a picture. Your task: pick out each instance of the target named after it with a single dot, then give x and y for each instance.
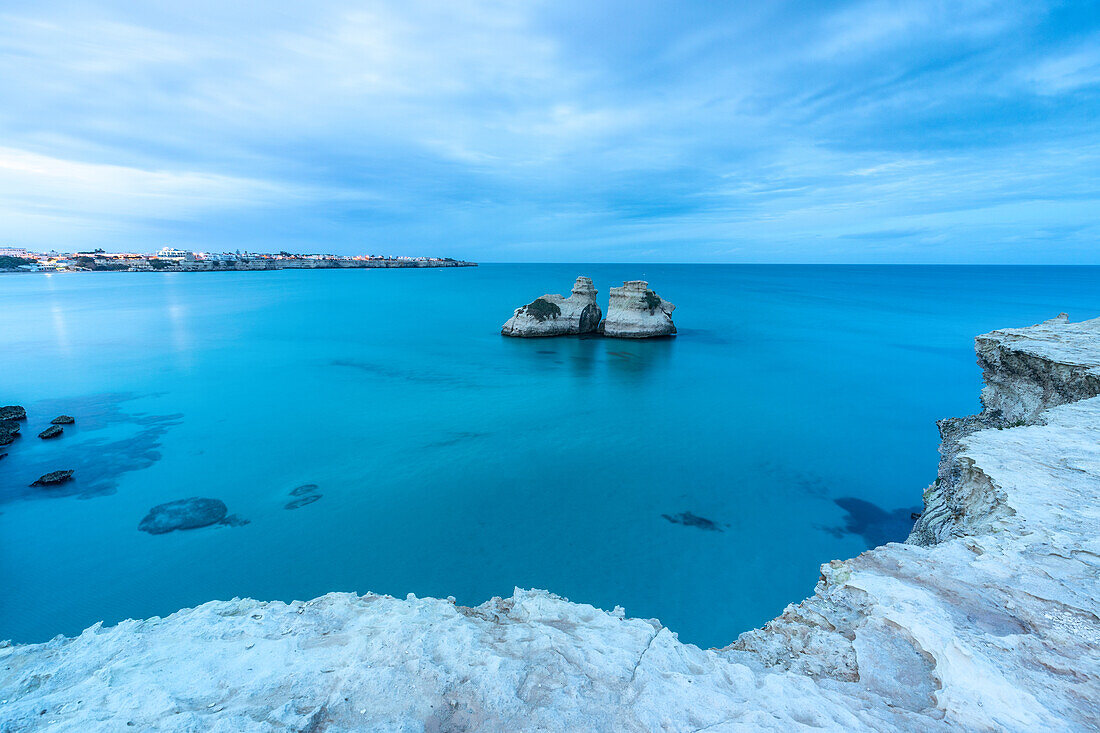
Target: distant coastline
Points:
(176, 260)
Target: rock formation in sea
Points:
(63, 420)
(553, 315)
(52, 431)
(9, 429)
(12, 412)
(53, 478)
(988, 619)
(636, 312)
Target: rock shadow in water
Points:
(873, 523)
(693, 520)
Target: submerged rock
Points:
(9, 429)
(303, 501)
(63, 420)
(183, 514)
(636, 312)
(693, 520)
(51, 432)
(53, 478)
(553, 315)
(306, 493)
(12, 412)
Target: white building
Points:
(172, 253)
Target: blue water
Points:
(452, 461)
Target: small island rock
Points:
(63, 420)
(553, 315)
(51, 432)
(636, 312)
(8, 430)
(12, 412)
(183, 514)
(53, 478)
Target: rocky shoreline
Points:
(988, 618)
(244, 263)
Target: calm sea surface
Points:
(795, 411)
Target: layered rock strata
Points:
(553, 315)
(635, 311)
(989, 619)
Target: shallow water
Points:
(451, 461)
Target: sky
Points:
(962, 131)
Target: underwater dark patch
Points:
(874, 524)
(455, 439)
(693, 520)
(184, 514)
(405, 375)
(306, 493)
(98, 462)
(303, 501)
(235, 520)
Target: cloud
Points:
(495, 130)
(1064, 71)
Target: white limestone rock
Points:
(553, 315)
(1026, 371)
(1029, 369)
(634, 311)
(992, 623)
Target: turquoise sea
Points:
(795, 410)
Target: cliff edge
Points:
(988, 619)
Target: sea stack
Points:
(636, 312)
(553, 315)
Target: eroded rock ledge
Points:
(988, 619)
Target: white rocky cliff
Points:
(553, 315)
(988, 619)
(635, 311)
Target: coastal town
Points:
(170, 259)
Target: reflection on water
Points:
(584, 356)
